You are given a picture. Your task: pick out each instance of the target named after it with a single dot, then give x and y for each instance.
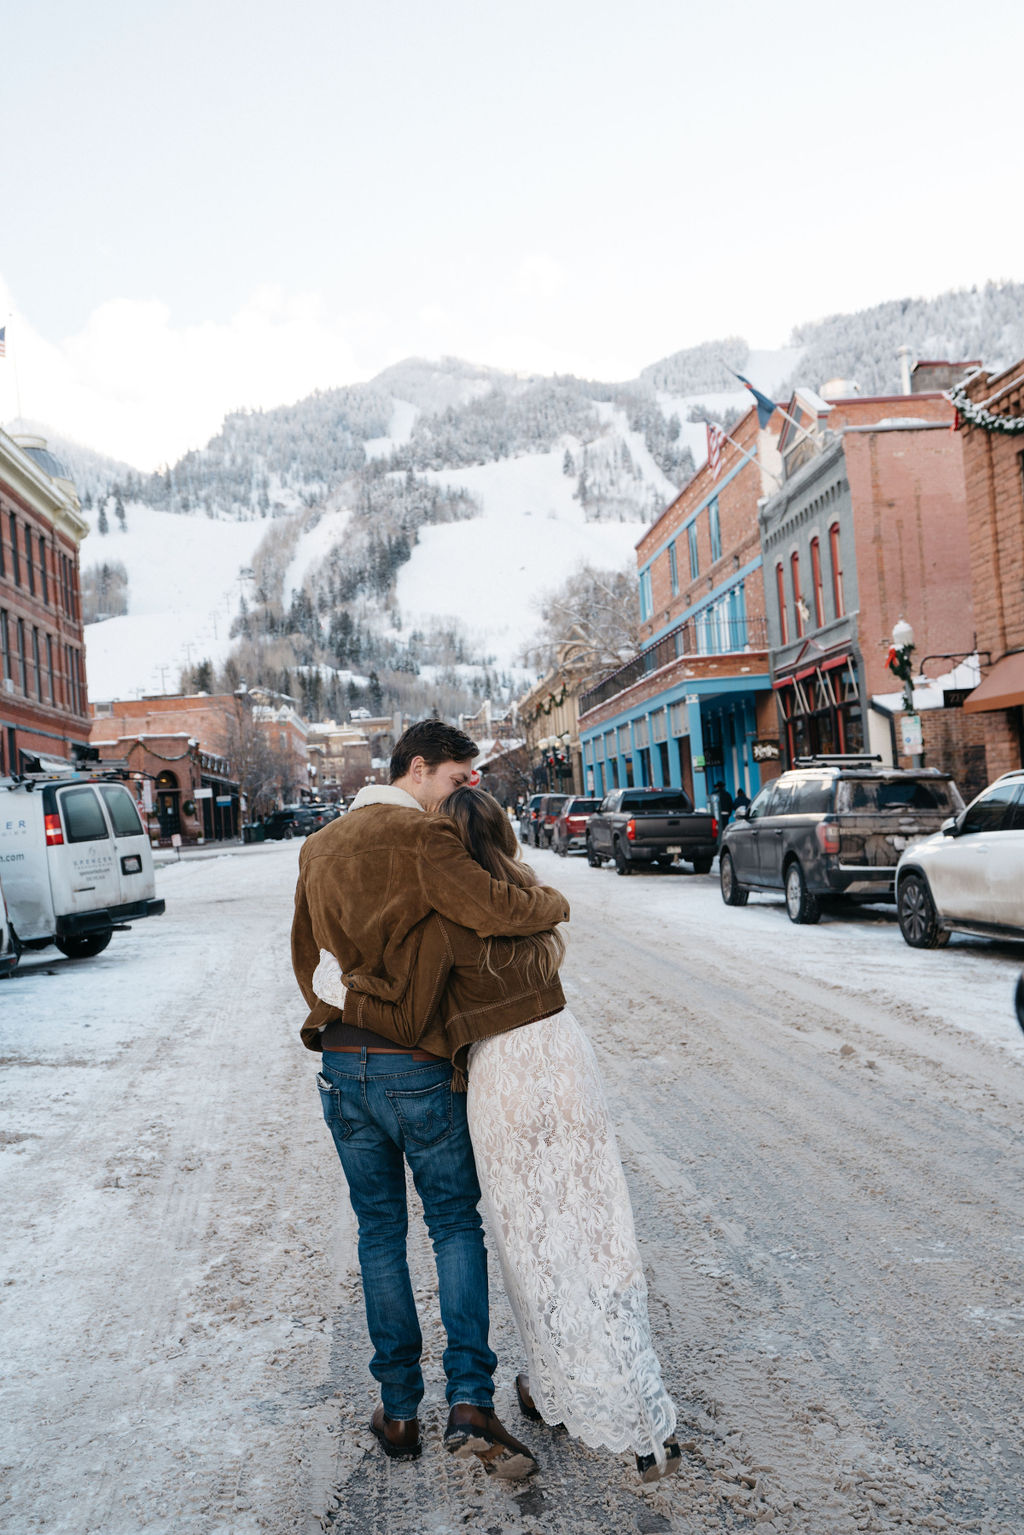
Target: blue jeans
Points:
(384, 1110)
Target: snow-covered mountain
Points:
(404, 527)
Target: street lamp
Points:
(899, 660)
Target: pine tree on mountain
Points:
(568, 464)
(102, 525)
(119, 513)
(376, 694)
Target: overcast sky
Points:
(210, 204)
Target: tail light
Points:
(631, 830)
(714, 828)
(575, 822)
(54, 831)
(828, 836)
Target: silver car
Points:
(969, 877)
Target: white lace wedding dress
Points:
(558, 1209)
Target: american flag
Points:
(3, 340)
(716, 442)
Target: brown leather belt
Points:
(417, 1055)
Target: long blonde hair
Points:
(486, 833)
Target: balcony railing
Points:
(703, 635)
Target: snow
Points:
(313, 547)
(489, 571)
(403, 420)
(820, 1130)
(183, 591)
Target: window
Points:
(762, 803)
(819, 593)
(646, 602)
(673, 569)
(811, 796)
(691, 534)
(22, 656)
(49, 668)
(29, 566)
(35, 663)
(989, 810)
(15, 559)
(5, 643)
(798, 601)
(42, 568)
(83, 818)
(837, 570)
(780, 588)
(716, 531)
(122, 812)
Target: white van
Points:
(8, 951)
(75, 861)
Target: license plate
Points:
(673, 850)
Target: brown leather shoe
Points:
(399, 1437)
(476, 1431)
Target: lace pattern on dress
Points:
(558, 1208)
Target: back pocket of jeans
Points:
(330, 1102)
(426, 1115)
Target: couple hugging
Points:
(428, 955)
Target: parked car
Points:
(543, 825)
(969, 877)
(9, 948)
(570, 828)
(292, 821)
(645, 826)
(831, 826)
(528, 816)
(77, 864)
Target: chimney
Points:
(903, 353)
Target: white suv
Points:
(970, 876)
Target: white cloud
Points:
(134, 384)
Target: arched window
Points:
(837, 570)
(819, 593)
(780, 586)
(798, 601)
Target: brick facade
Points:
(43, 707)
(994, 470)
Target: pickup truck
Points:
(644, 826)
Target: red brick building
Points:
(695, 706)
(991, 429)
(43, 709)
(869, 526)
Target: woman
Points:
(553, 1188)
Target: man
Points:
(366, 881)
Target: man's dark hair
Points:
(435, 742)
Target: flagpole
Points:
(751, 459)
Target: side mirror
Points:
(951, 828)
(741, 813)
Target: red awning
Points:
(1003, 688)
(827, 666)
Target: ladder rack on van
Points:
(70, 775)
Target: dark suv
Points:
(528, 817)
(293, 821)
(831, 826)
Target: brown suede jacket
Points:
(453, 999)
(369, 879)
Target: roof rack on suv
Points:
(838, 759)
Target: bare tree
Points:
(591, 622)
(266, 770)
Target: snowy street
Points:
(823, 1132)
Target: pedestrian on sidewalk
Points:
(553, 1186)
(366, 883)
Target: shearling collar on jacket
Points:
(384, 794)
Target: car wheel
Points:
(915, 909)
(702, 865)
(594, 859)
(622, 863)
(801, 906)
(84, 947)
(733, 893)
